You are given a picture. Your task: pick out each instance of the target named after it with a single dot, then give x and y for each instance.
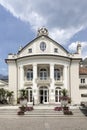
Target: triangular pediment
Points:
(36, 47)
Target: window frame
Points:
(30, 50)
(57, 74)
(29, 74)
(82, 80)
(43, 46)
(56, 50)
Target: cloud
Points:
(62, 36)
(73, 46)
(64, 18)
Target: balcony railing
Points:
(43, 80)
(58, 82)
(28, 82)
(83, 86)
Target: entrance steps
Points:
(40, 112)
(44, 113)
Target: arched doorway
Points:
(43, 95)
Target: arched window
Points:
(29, 74)
(57, 74)
(43, 74)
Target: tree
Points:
(65, 99)
(23, 93)
(3, 96)
(64, 92)
(9, 95)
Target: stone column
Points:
(52, 88)
(21, 77)
(35, 90)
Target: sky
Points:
(66, 21)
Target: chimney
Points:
(79, 48)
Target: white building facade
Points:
(44, 67)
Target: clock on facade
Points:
(43, 46)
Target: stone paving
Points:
(43, 123)
(11, 121)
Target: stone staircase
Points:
(44, 113)
(41, 112)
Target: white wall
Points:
(75, 95)
(12, 71)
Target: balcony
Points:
(58, 82)
(83, 86)
(43, 80)
(28, 82)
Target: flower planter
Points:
(22, 108)
(66, 108)
(23, 101)
(67, 112)
(64, 102)
(58, 108)
(20, 113)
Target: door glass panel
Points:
(30, 95)
(45, 98)
(45, 92)
(43, 95)
(57, 95)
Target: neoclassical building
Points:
(44, 67)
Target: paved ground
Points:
(9, 120)
(43, 123)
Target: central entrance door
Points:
(43, 95)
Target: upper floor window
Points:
(56, 50)
(82, 80)
(83, 95)
(29, 74)
(43, 46)
(43, 74)
(57, 74)
(30, 50)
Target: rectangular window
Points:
(30, 50)
(83, 95)
(82, 81)
(56, 50)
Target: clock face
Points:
(43, 46)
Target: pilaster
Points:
(65, 76)
(21, 77)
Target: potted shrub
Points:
(65, 108)
(22, 109)
(67, 112)
(23, 96)
(64, 98)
